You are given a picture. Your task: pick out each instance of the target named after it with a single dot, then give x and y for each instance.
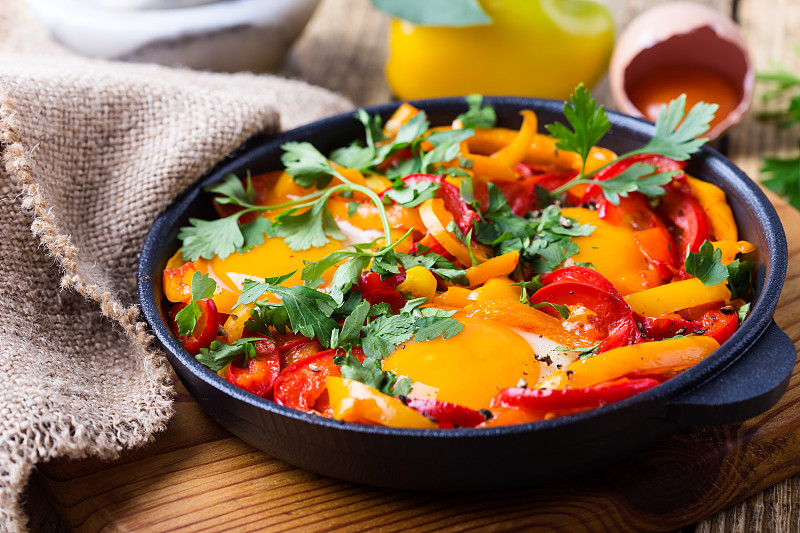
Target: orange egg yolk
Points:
(610, 249)
(273, 258)
(469, 368)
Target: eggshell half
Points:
(682, 34)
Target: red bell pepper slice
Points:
(463, 215)
(612, 325)
(688, 220)
(659, 248)
(261, 371)
(376, 290)
(662, 164)
(446, 414)
(717, 320)
(666, 326)
(570, 399)
(206, 329)
(431, 245)
(300, 384)
(580, 275)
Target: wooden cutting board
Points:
(198, 476)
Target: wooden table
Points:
(197, 476)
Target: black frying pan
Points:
(741, 379)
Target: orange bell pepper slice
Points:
(436, 219)
(502, 265)
(352, 401)
(652, 357)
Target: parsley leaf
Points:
(220, 354)
(436, 323)
(676, 131)
(202, 287)
(478, 115)
(413, 193)
(436, 264)
(385, 333)
(784, 178)
(740, 278)
(232, 191)
(207, 238)
(563, 310)
(371, 374)
(707, 265)
(589, 124)
(638, 177)
(307, 229)
(307, 166)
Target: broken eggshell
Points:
(683, 35)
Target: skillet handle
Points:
(750, 386)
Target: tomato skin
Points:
(718, 324)
(689, 222)
(667, 326)
(376, 290)
(463, 215)
(206, 329)
(299, 385)
(613, 324)
(662, 164)
(446, 414)
(261, 372)
(570, 399)
(580, 275)
(521, 195)
(659, 248)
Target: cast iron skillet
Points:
(743, 378)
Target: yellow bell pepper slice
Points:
(352, 401)
(420, 282)
(502, 265)
(452, 297)
(676, 295)
(720, 216)
(515, 151)
(660, 356)
(436, 219)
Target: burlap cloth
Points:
(92, 151)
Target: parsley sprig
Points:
(202, 287)
(706, 265)
(676, 137)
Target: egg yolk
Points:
(469, 368)
(610, 249)
(273, 258)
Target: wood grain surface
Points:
(196, 476)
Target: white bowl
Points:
(228, 35)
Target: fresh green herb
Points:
(413, 193)
(202, 287)
(370, 373)
(478, 115)
(528, 288)
(436, 264)
(742, 313)
(352, 209)
(220, 354)
(582, 353)
(784, 178)
(589, 124)
(740, 278)
(456, 13)
(676, 137)
(436, 323)
(706, 265)
(563, 310)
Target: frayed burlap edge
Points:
(17, 162)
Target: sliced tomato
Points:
(662, 164)
(611, 326)
(718, 321)
(448, 415)
(666, 326)
(570, 399)
(206, 329)
(376, 290)
(463, 215)
(659, 248)
(687, 219)
(300, 384)
(261, 371)
(581, 275)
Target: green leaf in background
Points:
(456, 13)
